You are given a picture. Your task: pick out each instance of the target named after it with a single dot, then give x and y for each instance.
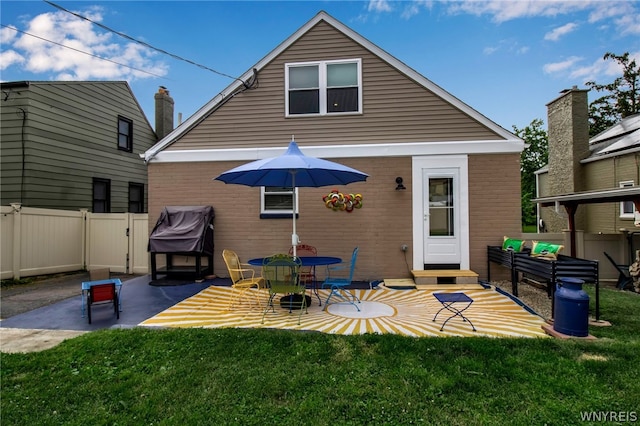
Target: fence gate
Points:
(117, 241)
(107, 241)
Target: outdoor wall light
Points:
(399, 185)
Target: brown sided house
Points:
(347, 100)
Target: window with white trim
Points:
(627, 208)
(277, 201)
(324, 87)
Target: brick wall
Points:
(380, 228)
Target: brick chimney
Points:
(164, 112)
(568, 131)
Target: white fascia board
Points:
(345, 151)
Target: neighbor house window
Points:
(125, 134)
(325, 87)
(626, 207)
(101, 196)
(277, 201)
(136, 197)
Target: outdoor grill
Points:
(183, 231)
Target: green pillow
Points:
(512, 244)
(547, 250)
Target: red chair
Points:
(102, 293)
(307, 273)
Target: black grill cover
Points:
(183, 229)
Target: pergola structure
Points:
(571, 201)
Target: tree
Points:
(622, 97)
(533, 157)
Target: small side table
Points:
(448, 301)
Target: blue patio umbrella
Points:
(291, 170)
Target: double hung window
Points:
(322, 88)
(101, 195)
(125, 134)
(136, 197)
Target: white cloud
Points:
(610, 9)
(379, 6)
(9, 58)
(601, 70)
(67, 46)
(7, 34)
(490, 50)
(503, 11)
(557, 67)
(508, 45)
(557, 33)
(629, 24)
(414, 7)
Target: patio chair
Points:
(243, 277)
(307, 273)
(281, 273)
(624, 278)
(102, 293)
(338, 284)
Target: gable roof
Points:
(232, 89)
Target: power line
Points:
(104, 27)
(81, 51)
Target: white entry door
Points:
(441, 216)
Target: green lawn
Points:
(272, 377)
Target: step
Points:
(445, 276)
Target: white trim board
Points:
(344, 151)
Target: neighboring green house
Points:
(75, 145)
(594, 182)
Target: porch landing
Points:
(444, 276)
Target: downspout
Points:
(22, 143)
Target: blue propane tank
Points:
(571, 312)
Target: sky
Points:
(505, 59)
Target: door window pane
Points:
(441, 208)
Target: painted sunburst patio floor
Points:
(382, 311)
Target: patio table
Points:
(448, 301)
(311, 261)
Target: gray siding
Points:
(395, 108)
(71, 138)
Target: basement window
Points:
(277, 202)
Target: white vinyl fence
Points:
(44, 241)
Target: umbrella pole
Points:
(294, 236)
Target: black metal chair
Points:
(624, 278)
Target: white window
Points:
(626, 207)
(325, 87)
(275, 201)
